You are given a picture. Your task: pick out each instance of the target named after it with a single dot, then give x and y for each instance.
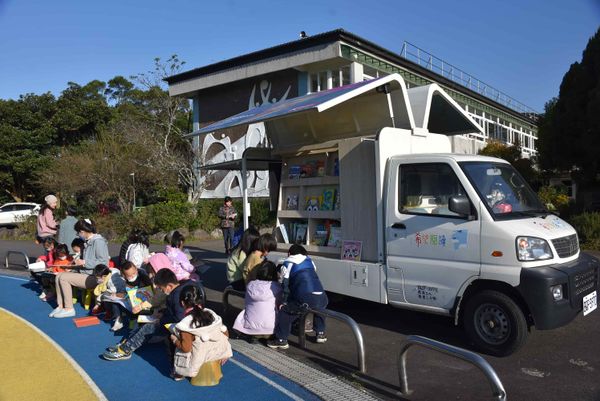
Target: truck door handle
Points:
(399, 226)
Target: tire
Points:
(495, 323)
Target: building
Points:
(320, 62)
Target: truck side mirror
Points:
(460, 205)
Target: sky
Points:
(521, 47)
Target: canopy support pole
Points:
(245, 204)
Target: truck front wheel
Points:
(495, 323)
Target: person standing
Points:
(67, 233)
(227, 214)
(46, 225)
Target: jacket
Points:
(300, 278)
(180, 263)
(235, 266)
(262, 298)
(95, 252)
(113, 284)
(210, 344)
(227, 215)
(46, 225)
(136, 253)
(175, 312)
(249, 266)
(66, 232)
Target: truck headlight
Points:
(557, 292)
(532, 248)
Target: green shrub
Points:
(169, 215)
(588, 228)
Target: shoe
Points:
(42, 296)
(55, 311)
(108, 317)
(96, 310)
(117, 355)
(276, 343)
(321, 338)
(251, 339)
(65, 313)
(177, 377)
(115, 348)
(118, 325)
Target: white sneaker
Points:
(65, 313)
(42, 295)
(118, 325)
(55, 311)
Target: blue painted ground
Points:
(146, 374)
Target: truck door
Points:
(431, 251)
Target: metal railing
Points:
(439, 66)
(497, 388)
(23, 254)
(360, 344)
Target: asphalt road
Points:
(561, 364)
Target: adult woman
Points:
(46, 225)
(95, 252)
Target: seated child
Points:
(201, 336)
(262, 301)
(77, 247)
(258, 251)
(110, 283)
(182, 267)
(301, 286)
(132, 278)
(60, 260)
(49, 245)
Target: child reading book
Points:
(202, 336)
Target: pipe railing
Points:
(23, 254)
(360, 344)
(497, 388)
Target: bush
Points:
(588, 228)
(554, 198)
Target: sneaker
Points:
(42, 296)
(177, 377)
(65, 313)
(118, 325)
(115, 348)
(277, 343)
(117, 355)
(251, 339)
(321, 338)
(55, 311)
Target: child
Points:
(262, 301)
(202, 336)
(301, 286)
(48, 258)
(60, 260)
(227, 214)
(166, 281)
(110, 284)
(49, 244)
(132, 278)
(182, 267)
(237, 257)
(137, 251)
(77, 246)
(260, 248)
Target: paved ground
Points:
(562, 364)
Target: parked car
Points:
(14, 213)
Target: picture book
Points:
(320, 236)
(328, 199)
(300, 237)
(172, 329)
(335, 236)
(351, 250)
(291, 202)
(139, 295)
(147, 319)
(124, 302)
(336, 203)
(284, 233)
(313, 203)
(37, 267)
(294, 171)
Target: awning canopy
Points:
(256, 159)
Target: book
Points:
(124, 302)
(291, 202)
(137, 296)
(320, 236)
(284, 233)
(313, 203)
(328, 199)
(351, 250)
(172, 327)
(294, 171)
(300, 237)
(335, 236)
(147, 319)
(37, 267)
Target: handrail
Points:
(360, 344)
(225, 301)
(497, 388)
(16, 253)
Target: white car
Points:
(14, 213)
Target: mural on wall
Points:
(221, 148)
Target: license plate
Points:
(590, 303)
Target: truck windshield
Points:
(502, 189)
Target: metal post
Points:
(245, 205)
(497, 388)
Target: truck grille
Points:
(584, 281)
(566, 246)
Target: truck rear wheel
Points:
(495, 323)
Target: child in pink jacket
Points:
(182, 267)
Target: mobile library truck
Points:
(363, 177)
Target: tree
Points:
(512, 154)
(26, 143)
(569, 133)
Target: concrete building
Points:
(320, 62)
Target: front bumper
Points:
(578, 278)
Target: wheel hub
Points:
(492, 324)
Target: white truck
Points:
(362, 175)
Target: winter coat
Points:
(210, 344)
(227, 216)
(262, 298)
(95, 252)
(67, 233)
(181, 264)
(136, 253)
(235, 266)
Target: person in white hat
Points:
(46, 225)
